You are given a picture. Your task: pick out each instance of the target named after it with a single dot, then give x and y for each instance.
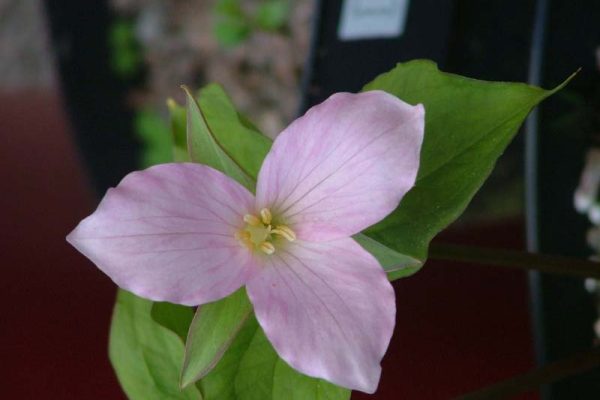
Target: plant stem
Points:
(549, 373)
(516, 259)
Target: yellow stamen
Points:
(284, 231)
(266, 216)
(267, 247)
(251, 220)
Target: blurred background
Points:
(82, 103)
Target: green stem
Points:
(549, 373)
(516, 259)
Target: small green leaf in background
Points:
(152, 130)
(126, 57)
(213, 329)
(229, 7)
(468, 124)
(272, 15)
(146, 356)
(231, 31)
(232, 25)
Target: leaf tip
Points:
(566, 81)
(182, 384)
(188, 92)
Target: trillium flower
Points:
(188, 234)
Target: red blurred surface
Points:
(459, 327)
(56, 308)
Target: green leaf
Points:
(468, 124)
(178, 124)
(231, 30)
(252, 370)
(228, 7)
(219, 383)
(175, 317)
(397, 265)
(125, 55)
(213, 328)
(146, 356)
(204, 148)
(272, 14)
(238, 138)
(152, 130)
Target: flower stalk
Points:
(516, 259)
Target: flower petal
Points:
(167, 234)
(328, 309)
(344, 165)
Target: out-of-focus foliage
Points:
(126, 57)
(235, 23)
(151, 128)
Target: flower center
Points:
(260, 234)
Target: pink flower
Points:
(188, 234)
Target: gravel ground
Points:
(262, 74)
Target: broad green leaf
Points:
(211, 332)
(238, 138)
(252, 370)
(175, 317)
(146, 356)
(204, 148)
(219, 383)
(468, 124)
(397, 265)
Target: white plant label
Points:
(372, 19)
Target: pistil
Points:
(259, 233)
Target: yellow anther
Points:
(265, 215)
(251, 220)
(284, 231)
(267, 247)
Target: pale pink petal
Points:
(344, 165)
(328, 309)
(167, 234)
